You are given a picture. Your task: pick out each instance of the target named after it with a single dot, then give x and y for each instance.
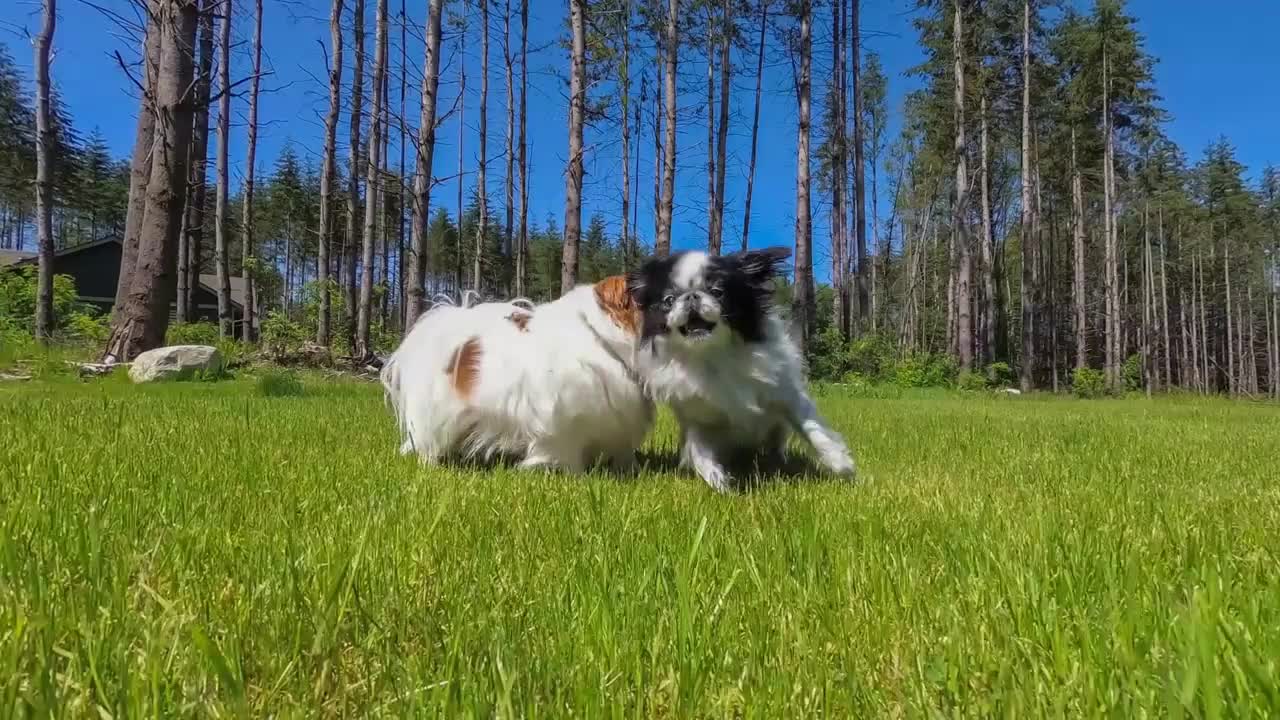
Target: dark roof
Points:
(210, 283)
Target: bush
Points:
(195, 333)
(826, 355)
(1000, 375)
(1088, 383)
(831, 358)
(972, 382)
(281, 335)
(280, 383)
(77, 322)
(924, 370)
(1131, 373)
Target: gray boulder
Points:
(176, 362)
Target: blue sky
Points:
(1217, 69)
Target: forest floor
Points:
(204, 548)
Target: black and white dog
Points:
(713, 348)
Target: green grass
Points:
(201, 549)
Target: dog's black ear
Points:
(637, 281)
(764, 264)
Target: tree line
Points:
(1031, 210)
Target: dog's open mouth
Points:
(696, 327)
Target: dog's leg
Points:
(623, 461)
(542, 454)
(699, 455)
(831, 449)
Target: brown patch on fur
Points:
(520, 320)
(617, 303)
(464, 367)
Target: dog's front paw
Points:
(717, 478)
(841, 464)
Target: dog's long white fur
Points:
(555, 390)
(734, 398)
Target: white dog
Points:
(555, 386)
(717, 352)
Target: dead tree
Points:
(573, 179)
(143, 318)
(44, 176)
(327, 172)
(247, 242)
(416, 283)
(192, 237)
(373, 159)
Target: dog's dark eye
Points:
(716, 291)
(668, 301)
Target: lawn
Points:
(200, 549)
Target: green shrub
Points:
(924, 370)
(1088, 383)
(1131, 373)
(831, 358)
(281, 335)
(194, 333)
(971, 381)
(871, 355)
(827, 355)
(279, 383)
(999, 374)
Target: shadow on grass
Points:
(750, 474)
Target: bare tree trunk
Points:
(1275, 342)
(722, 133)
(573, 179)
(989, 313)
(247, 229)
(802, 311)
(364, 316)
(403, 183)
(383, 285)
(143, 318)
(140, 162)
(327, 170)
(625, 81)
(1164, 302)
(1232, 383)
(964, 318)
(462, 126)
(522, 257)
(1148, 363)
(633, 250)
(657, 154)
(1114, 339)
(841, 310)
(193, 215)
(1028, 236)
(1079, 299)
(662, 243)
(1248, 355)
(711, 135)
(482, 184)
(859, 171)
(755, 126)
(416, 284)
(44, 176)
(221, 251)
(1204, 331)
(509, 182)
(353, 173)
(1184, 349)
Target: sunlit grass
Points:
(201, 548)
